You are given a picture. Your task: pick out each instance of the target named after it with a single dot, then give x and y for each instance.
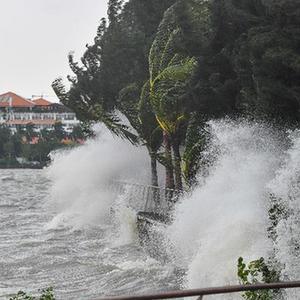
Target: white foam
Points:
(285, 188)
(226, 216)
(80, 178)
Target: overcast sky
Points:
(36, 37)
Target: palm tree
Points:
(167, 91)
(138, 111)
(170, 69)
(150, 130)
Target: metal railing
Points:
(153, 199)
(209, 291)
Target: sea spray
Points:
(285, 190)
(223, 218)
(124, 218)
(81, 178)
(226, 216)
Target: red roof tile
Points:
(14, 100)
(41, 102)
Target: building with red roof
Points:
(11, 99)
(41, 102)
(17, 111)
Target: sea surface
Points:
(62, 228)
(81, 263)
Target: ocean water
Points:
(79, 263)
(64, 227)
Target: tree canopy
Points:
(169, 65)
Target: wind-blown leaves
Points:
(150, 130)
(95, 112)
(195, 141)
(167, 94)
(114, 124)
(168, 65)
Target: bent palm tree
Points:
(168, 90)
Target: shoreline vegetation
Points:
(168, 67)
(16, 165)
(28, 149)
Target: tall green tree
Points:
(268, 63)
(116, 61)
(138, 111)
(168, 99)
(58, 131)
(167, 66)
(171, 69)
(4, 138)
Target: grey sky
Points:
(36, 37)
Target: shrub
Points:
(257, 271)
(47, 294)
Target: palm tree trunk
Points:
(154, 176)
(169, 166)
(177, 166)
(154, 179)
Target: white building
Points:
(17, 111)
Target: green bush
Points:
(46, 294)
(257, 271)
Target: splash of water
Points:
(125, 218)
(285, 189)
(226, 216)
(81, 178)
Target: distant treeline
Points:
(28, 148)
(170, 65)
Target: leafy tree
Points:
(118, 59)
(78, 133)
(171, 70)
(138, 111)
(252, 64)
(58, 131)
(16, 140)
(12, 146)
(30, 132)
(270, 87)
(167, 66)
(195, 141)
(114, 9)
(45, 135)
(150, 131)
(167, 98)
(9, 150)
(4, 138)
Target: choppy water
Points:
(63, 228)
(83, 264)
